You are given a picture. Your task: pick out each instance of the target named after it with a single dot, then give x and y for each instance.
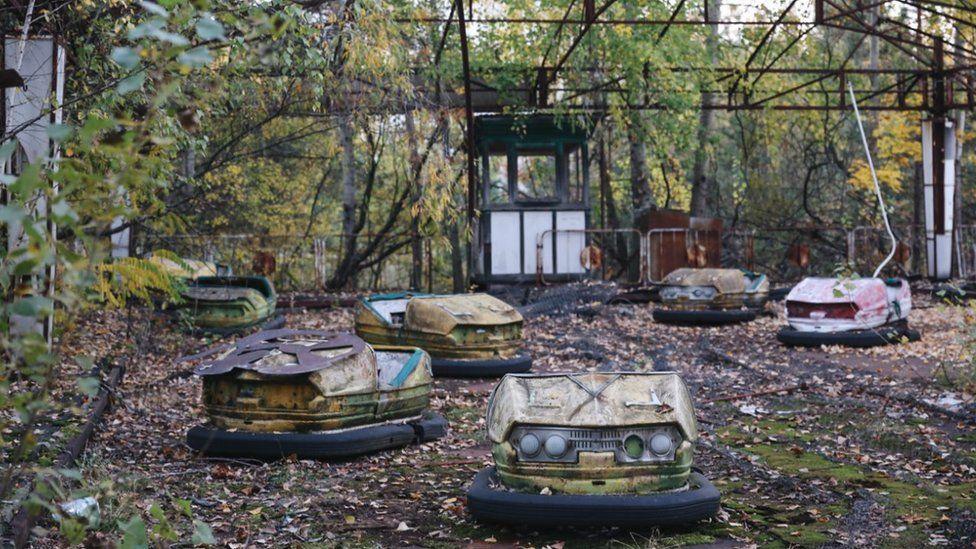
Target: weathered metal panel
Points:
(732, 281)
(591, 400)
(569, 246)
(229, 302)
(284, 352)
(675, 240)
(506, 256)
(304, 380)
(442, 314)
(448, 326)
(734, 289)
(187, 268)
(595, 413)
(28, 108)
(877, 303)
(535, 224)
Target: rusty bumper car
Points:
(188, 269)
(600, 449)
(711, 297)
(467, 335)
(853, 312)
(313, 394)
(227, 304)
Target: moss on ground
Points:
(918, 506)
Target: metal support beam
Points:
(674, 16)
(579, 37)
(938, 160)
(938, 136)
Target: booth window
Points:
(574, 172)
(536, 174)
(498, 178)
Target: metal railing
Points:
(615, 249)
(784, 253)
(303, 263)
(869, 246)
(306, 263)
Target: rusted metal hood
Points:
(190, 268)
(282, 352)
(728, 281)
(590, 400)
(223, 293)
(442, 314)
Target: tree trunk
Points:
(619, 250)
(918, 219)
(613, 220)
(640, 181)
(348, 195)
(960, 268)
(457, 250)
(702, 184)
(416, 244)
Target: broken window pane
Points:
(536, 174)
(574, 172)
(498, 179)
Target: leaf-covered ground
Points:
(866, 447)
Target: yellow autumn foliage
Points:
(136, 279)
(897, 148)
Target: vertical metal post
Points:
(938, 157)
(430, 267)
(938, 137)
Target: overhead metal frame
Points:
(931, 87)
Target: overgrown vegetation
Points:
(287, 125)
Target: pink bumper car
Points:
(856, 312)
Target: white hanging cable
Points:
(877, 187)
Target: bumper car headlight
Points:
(639, 445)
(702, 292)
(556, 446)
(634, 446)
(661, 444)
(529, 445)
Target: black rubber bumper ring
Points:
(884, 335)
(703, 318)
(323, 445)
(497, 367)
(497, 505)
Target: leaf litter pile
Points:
(873, 447)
